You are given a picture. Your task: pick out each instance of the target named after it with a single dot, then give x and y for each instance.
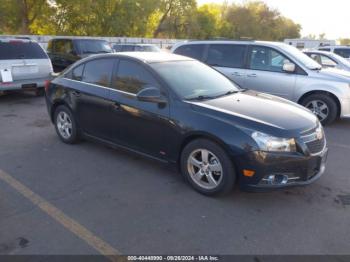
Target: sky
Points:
(315, 16)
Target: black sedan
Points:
(178, 110)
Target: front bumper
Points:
(345, 108)
(302, 170)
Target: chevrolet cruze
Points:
(181, 111)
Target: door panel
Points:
(139, 125)
(266, 73)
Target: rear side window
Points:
(118, 48)
(132, 77)
(77, 73)
(98, 72)
(21, 50)
(226, 55)
(194, 51)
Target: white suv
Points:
(278, 69)
(23, 65)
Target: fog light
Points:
(276, 179)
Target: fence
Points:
(162, 43)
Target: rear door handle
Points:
(252, 75)
(116, 106)
(76, 93)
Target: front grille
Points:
(314, 139)
(316, 146)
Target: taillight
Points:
(47, 85)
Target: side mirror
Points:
(289, 67)
(151, 94)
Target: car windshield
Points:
(301, 57)
(147, 48)
(94, 46)
(341, 59)
(344, 52)
(196, 81)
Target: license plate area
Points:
(29, 86)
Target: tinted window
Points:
(128, 48)
(194, 51)
(226, 55)
(21, 50)
(326, 61)
(325, 49)
(267, 59)
(93, 46)
(344, 52)
(192, 79)
(77, 73)
(118, 48)
(98, 72)
(132, 77)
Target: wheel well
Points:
(322, 92)
(190, 138)
(54, 106)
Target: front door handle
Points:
(252, 75)
(237, 74)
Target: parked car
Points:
(329, 59)
(343, 51)
(65, 51)
(136, 48)
(278, 69)
(24, 65)
(216, 132)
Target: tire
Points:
(65, 125)
(205, 174)
(316, 102)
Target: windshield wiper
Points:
(200, 98)
(228, 93)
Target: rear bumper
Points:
(24, 84)
(300, 169)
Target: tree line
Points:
(146, 18)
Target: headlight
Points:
(274, 144)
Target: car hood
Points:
(336, 74)
(255, 110)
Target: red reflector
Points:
(47, 84)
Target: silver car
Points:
(342, 50)
(329, 59)
(277, 69)
(23, 65)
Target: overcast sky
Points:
(315, 16)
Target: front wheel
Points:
(323, 106)
(207, 167)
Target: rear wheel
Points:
(207, 167)
(65, 125)
(323, 106)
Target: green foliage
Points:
(145, 18)
(344, 41)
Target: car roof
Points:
(14, 39)
(335, 46)
(79, 39)
(318, 52)
(135, 44)
(147, 57)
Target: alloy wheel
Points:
(319, 108)
(64, 125)
(204, 168)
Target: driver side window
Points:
(267, 59)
